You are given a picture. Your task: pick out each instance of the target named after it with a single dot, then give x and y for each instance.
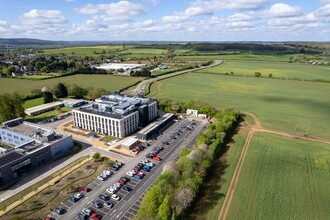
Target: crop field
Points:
(242, 56)
(108, 82)
(84, 51)
(278, 70)
(286, 105)
(283, 179)
(33, 102)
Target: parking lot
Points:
(127, 207)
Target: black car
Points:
(125, 179)
(97, 205)
(114, 167)
(140, 148)
(126, 188)
(104, 197)
(150, 156)
(119, 164)
(59, 211)
(82, 216)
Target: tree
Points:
(97, 156)
(48, 97)
(257, 74)
(270, 75)
(45, 69)
(95, 93)
(60, 91)
(183, 199)
(11, 106)
(76, 91)
(164, 211)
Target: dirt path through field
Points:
(232, 186)
(257, 127)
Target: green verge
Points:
(283, 179)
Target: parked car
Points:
(114, 167)
(73, 199)
(82, 216)
(85, 189)
(150, 164)
(115, 197)
(119, 164)
(97, 204)
(157, 158)
(111, 190)
(137, 177)
(78, 196)
(100, 177)
(95, 216)
(48, 218)
(126, 188)
(104, 197)
(108, 204)
(87, 211)
(59, 211)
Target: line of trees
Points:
(177, 187)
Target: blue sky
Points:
(170, 20)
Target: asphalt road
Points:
(141, 86)
(130, 200)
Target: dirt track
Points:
(257, 127)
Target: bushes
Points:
(175, 189)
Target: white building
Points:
(115, 115)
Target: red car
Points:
(137, 150)
(157, 158)
(95, 216)
(85, 189)
(122, 182)
(48, 218)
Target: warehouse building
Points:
(31, 146)
(116, 115)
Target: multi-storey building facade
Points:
(115, 115)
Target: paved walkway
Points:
(42, 187)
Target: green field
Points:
(279, 70)
(283, 179)
(84, 51)
(279, 104)
(33, 102)
(242, 56)
(108, 82)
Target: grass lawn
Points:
(212, 197)
(279, 70)
(108, 82)
(279, 104)
(33, 102)
(283, 179)
(47, 115)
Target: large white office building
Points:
(115, 115)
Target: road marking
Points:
(119, 214)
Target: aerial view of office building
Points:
(28, 146)
(116, 115)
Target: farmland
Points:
(108, 82)
(283, 179)
(84, 51)
(278, 70)
(284, 105)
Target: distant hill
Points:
(28, 41)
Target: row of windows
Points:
(21, 164)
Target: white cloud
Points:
(122, 10)
(243, 16)
(323, 11)
(152, 2)
(292, 21)
(282, 10)
(175, 18)
(43, 21)
(325, 1)
(229, 4)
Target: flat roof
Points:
(130, 141)
(72, 101)
(9, 157)
(155, 124)
(116, 66)
(42, 107)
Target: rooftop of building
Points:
(115, 105)
(36, 132)
(42, 107)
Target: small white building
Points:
(192, 112)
